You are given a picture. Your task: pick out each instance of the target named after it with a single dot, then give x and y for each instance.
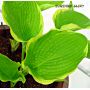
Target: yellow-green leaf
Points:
(48, 4)
(55, 55)
(88, 54)
(24, 18)
(8, 69)
(14, 45)
(70, 20)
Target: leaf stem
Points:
(23, 51)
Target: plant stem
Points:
(12, 85)
(71, 5)
(23, 51)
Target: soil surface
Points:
(5, 48)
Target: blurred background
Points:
(81, 77)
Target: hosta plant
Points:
(50, 57)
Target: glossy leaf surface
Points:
(24, 19)
(55, 55)
(8, 69)
(70, 20)
(48, 4)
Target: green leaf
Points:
(14, 45)
(48, 4)
(88, 54)
(70, 26)
(24, 18)
(68, 18)
(8, 69)
(55, 55)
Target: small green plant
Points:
(50, 57)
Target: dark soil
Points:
(5, 48)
